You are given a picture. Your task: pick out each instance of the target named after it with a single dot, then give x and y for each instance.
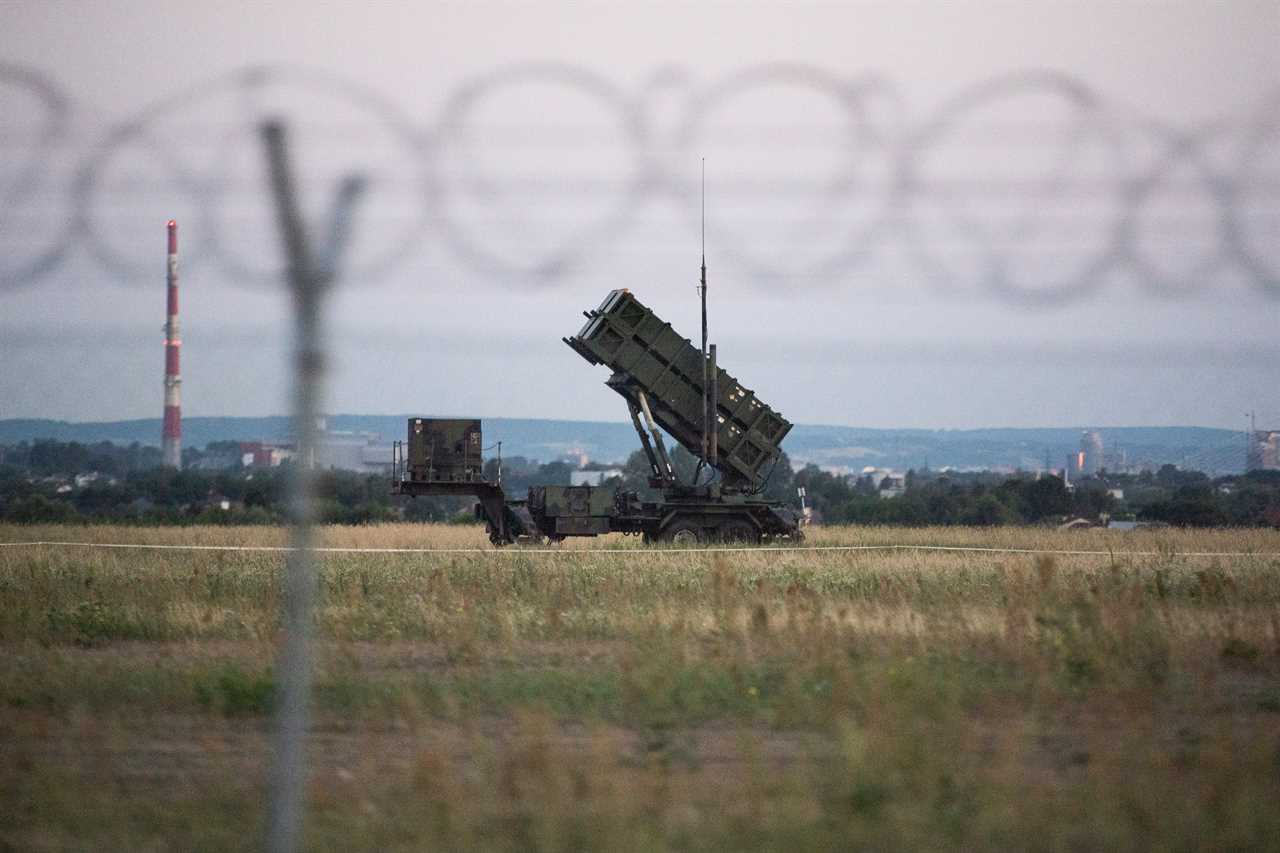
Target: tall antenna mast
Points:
(706, 388)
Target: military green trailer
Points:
(444, 457)
(445, 450)
(669, 387)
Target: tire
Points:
(737, 531)
(685, 534)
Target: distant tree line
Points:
(169, 496)
(52, 481)
(71, 457)
(1170, 496)
(519, 473)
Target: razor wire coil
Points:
(892, 180)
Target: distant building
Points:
(353, 451)
(262, 454)
(886, 482)
(893, 487)
(1264, 451)
(1090, 459)
(336, 449)
(593, 478)
(221, 460)
(345, 451)
(576, 457)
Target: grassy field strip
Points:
(874, 688)
(651, 552)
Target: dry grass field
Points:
(640, 699)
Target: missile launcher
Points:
(653, 364)
(670, 389)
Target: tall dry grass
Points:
(1176, 540)
(651, 699)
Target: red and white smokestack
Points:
(171, 436)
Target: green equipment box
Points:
(445, 450)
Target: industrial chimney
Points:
(171, 435)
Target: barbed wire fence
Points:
(1029, 186)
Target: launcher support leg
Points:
(493, 504)
(668, 473)
(654, 470)
(492, 498)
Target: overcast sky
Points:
(954, 214)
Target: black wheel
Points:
(739, 532)
(685, 534)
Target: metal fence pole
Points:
(309, 281)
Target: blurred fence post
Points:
(309, 280)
